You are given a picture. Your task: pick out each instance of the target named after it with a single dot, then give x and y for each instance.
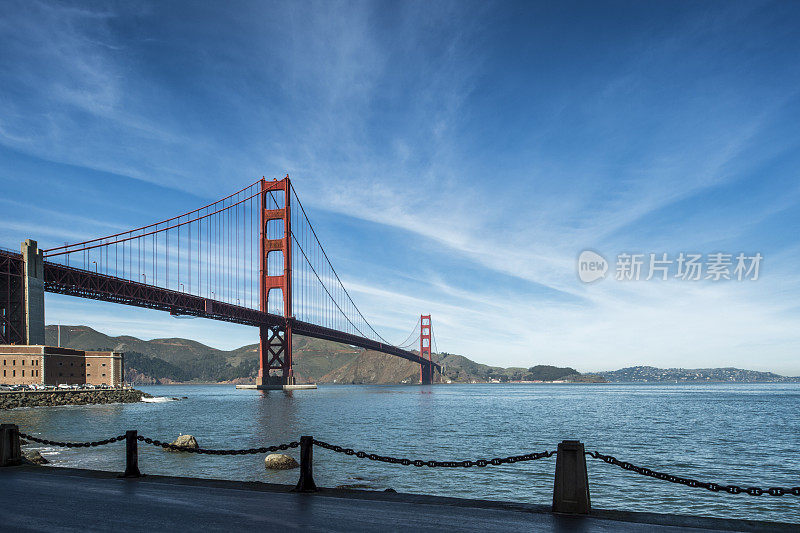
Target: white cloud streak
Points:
(377, 124)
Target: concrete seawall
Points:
(164, 503)
(50, 398)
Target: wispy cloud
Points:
(490, 152)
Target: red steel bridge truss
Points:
(250, 258)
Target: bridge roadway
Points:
(60, 499)
(82, 283)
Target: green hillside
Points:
(163, 360)
(183, 360)
(459, 368)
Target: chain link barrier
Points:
(165, 445)
(247, 451)
(72, 444)
(433, 464)
(714, 487)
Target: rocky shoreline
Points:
(52, 398)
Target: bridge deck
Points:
(61, 279)
(60, 499)
(87, 284)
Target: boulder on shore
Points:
(279, 461)
(35, 457)
(185, 441)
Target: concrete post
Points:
(34, 292)
(10, 454)
(131, 454)
(306, 481)
(571, 489)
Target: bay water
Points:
(743, 434)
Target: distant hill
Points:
(649, 374)
(183, 360)
(459, 368)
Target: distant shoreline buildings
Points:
(54, 366)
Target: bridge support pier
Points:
(34, 292)
(275, 348)
(426, 374)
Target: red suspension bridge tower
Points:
(275, 342)
(425, 370)
(275, 279)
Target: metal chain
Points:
(72, 444)
(174, 447)
(432, 464)
(715, 487)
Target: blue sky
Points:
(455, 157)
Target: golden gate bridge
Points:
(250, 258)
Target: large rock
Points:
(279, 461)
(35, 457)
(186, 441)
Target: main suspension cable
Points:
(413, 331)
(333, 270)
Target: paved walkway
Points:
(56, 499)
